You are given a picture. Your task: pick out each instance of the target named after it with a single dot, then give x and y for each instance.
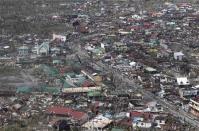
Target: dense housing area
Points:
(108, 65)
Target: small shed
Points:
(178, 56)
(150, 70)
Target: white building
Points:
(142, 124)
(59, 37)
(42, 49)
(160, 120)
(183, 81)
(178, 56)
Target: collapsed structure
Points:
(115, 68)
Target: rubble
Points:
(100, 65)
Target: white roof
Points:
(150, 69)
(136, 17)
(182, 81)
(132, 63)
(97, 122)
(196, 87)
(6, 47)
(178, 54)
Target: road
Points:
(166, 105)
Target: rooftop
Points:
(64, 111)
(183, 81)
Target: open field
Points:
(11, 78)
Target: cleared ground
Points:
(11, 78)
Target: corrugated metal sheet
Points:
(64, 111)
(51, 90)
(24, 89)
